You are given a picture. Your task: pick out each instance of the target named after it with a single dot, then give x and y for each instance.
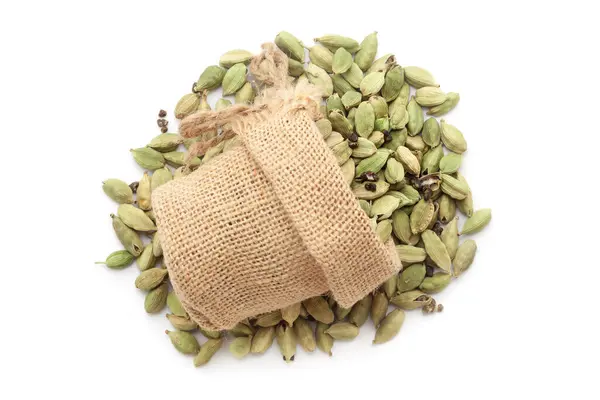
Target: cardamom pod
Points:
(368, 50)
(431, 132)
(241, 330)
(210, 78)
(373, 163)
(342, 331)
(382, 124)
(466, 205)
(262, 340)
(240, 346)
(449, 237)
(324, 126)
(222, 104)
(384, 230)
(341, 85)
(452, 138)
(389, 327)
(453, 187)
(334, 42)
(342, 61)
(419, 77)
(389, 286)
(324, 340)
(421, 216)
(394, 171)
(450, 163)
(148, 158)
(399, 118)
(146, 260)
(360, 311)
(175, 305)
(156, 299)
(436, 250)
(321, 57)
(435, 283)
(394, 80)
(411, 300)
(334, 139)
(334, 102)
(431, 160)
(348, 171)
(411, 277)
(447, 208)
(295, 68)
(380, 106)
(464, 256)
(144, 192)
(118, 190)
(416, 144)
(150, 278)
(365, 119)
(156, 246)
(234, 79)
(166, 142)
(351, 99)
(127, 236)
(118, 259)
(379, 307)
(234, 57)
(184, 342)
(319, 309)
(286, 341)
(135, 218)
(269, 319)
(290, 313)
(210, 334)
(360, 192)
(430, 96)
(341, 312)
(305, 335)
(208, 349)
(320, 78)
(290, 45)
(377, 138)
(342, 152)
(188, 104)
(411, 194)
(160, 177)
(415, 117)
(410, 254)
(398, 138)
(382, 64)
(245, 95)
(353, 76)
(477, 221)
(452, 100)
(365, 148)
(372, 83)
(181, 323)
(401, 226)
(178, 159)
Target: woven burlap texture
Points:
(266, 224)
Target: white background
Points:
(81, 83)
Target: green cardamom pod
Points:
(305, 335)
(453, 187)
(175, 305)
(341, 85)
(421, 216)
(431, 132)
(394, 80)
(398, 138)
(118, 190)
(118, 259)
(477, 221)
(295, 68)
(379, 307)
(418, 77)
(365, 148)
(447, 208)
(286, 341)
(178, 159)
(373, 163)
(411, 193)
(360, 192)
(290, 313)
(452, 138)
(241, 330)
(213, 152)
(416, 144)
(334, 42)
(320, 78)
(262, 340)
(341, 312)
(324, 126)
(350, 99)
(449, 237)
(348, 171)
(360, 311)
(452, 100)
(464, 256)
(394, 171)
(389, 327)
(399, 117)
(364, 119)
(353, 76)
(411, 277)
(181, 323)
(368, 50)
(382, 124)
(156, 299)
(410, 254)
(389, 286)
(383, 230)
(146, 260)
(340, 123)
(380, 106)
(342, 61)
(335, 103)
(372, 83)
(166, 142)
(210, 334)
(324, 340)
(150, 278)
(234, 57)
(188, 104)
(319, 309)
(148, 158)
(430, 96)
(401, 226)
(351, 117)
(415, 117)
(234, 79)
(411, 300)
(290, 45)
(436, 250)
(135, 218)
(466, 205)
(144, 192)
(431, 160)
(208, 349)
(382, 64)
(334, 139)
(184, 342)
(377, 138)
(210, 78)
(269, 319)
(240, 346)
(127, 236)
(435, 283)
(342, 331)
(450, 163)
(156, 246)
(342, 152)
(160, 177)
(321, 57)
(245, 95)
(222, 104)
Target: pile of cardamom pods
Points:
(402, 168)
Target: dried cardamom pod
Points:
(389, 286)
(150, 278)
(286, 341)
(118, 190)
(342, 331)
(324, 340)
(234, 79)
(410, 254)
(452, 100)
(429, 96)
(342, 61)
(135, 218)
(118, 259)
(436, 250)
(353, 77)
(156, 299)
(188, 104)
(449, 237)
(184, 342)
(464, 256)
(320, 78)
(415, 117)
(365, 119)
(290, 45)
(321, 57)
(389, 327)
(210, 78)
(435, 283)
(477, 221)
(208, 349)
(452, 138)
(431, 132)
(245, 95)
(234, 57)
(419, 77)
(305, 335)
(379, 307)
(240, 346)
(394, 80)
(290, 313)
(341, 85)
(175, 305)
(360, 311)
(411, 277)
(334, 42)
(262, 340)
(269, 319)
(421, 216)
(351, 99)
(144, 192)
(148, 158)
(411, 300)
(182, 323)
(372, 83)
(368, 50)
(373, 163)
(146, 260)
(127, 236)
(318, 308)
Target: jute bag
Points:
(269, 222)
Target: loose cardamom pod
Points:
(415, 117)
(431, 132)
(430, 96)
(127, 236)
(365, 119)
(419, 77)
(262, 340)
(118, 259)
(324, 340)
(208, 349)
(184, 342)
(148, 158)
(305, 335)
(452, 100)
(118, 190)
(150, 278)
(321, 57)
(452, 138)
(411, 300)
(234, 57)
(342, 61)
(182, 323)
(245, 95)
(146, 260)
(269, 319)
(389, 327)
(394, 80)
(360, 311)
(410, 254)
(188, 104)
(135, 218)
(175, 305)
(464, 256)
(389, 286)
(342, 331)
(290, 45)
(240, 346)
(234, 79)
(373, 163)
(435, 283)
(436, 250)
(341, 85)
(156, 299)
(450, 163)
(477, 221)
(210, 78)
(334, 42)
(411, 277)
(320, 78)
(379, 307)
(368, 50)
(286, 341)
(449, 237)
(318, 308)
(372, 83)
(353, 77)
(351, 99)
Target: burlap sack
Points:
(268, 223)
